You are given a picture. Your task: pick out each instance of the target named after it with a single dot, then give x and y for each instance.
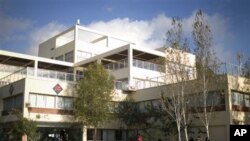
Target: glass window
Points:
(41, 101)
(50, 102)
(68, 103)
(59, 58)
(118, 135)
(69, 57)
(32, 100)
(18, 102)
(246, 98)
(60, 103)
(14, 102)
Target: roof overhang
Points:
(24, 60)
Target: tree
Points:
(178, 71)
(129, 113)
(206, 64)
(93, 97)
(24, 126)
(246, 69)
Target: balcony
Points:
(117, 65)
(147, 65)
(41, 73)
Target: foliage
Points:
(246, 69)
(206, 64)
(173, 98)
(24, 126)
(136, 119)
(93, 96)
(130, 114)
(162, 120)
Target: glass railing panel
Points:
(117, 65)
(69, 77)
(61, 75)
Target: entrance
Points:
(60, 134)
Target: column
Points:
(75, 74)
(130, 65)
(35, 67)
(107, 41)
(84, 133)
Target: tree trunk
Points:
(95, 132)
(178, 130)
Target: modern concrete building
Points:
(42, 86)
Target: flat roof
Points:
(24, 60)
(120, 53)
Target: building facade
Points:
(42, 86)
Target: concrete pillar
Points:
(84, 133)
(35, 67)
(130, 65)
(75, 74)
(76, 43)
(107, 41)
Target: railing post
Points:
(35, 67)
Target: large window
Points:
(69, 57)
(240, 99)
(118, 135)
(47, 101)
(14, 102)
(59, 58)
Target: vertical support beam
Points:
(35, 67)
(76, 44)
(75, 74)
(130, 66)
(84, 133)
(107, 41)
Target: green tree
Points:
(24, 126)
(135, 119)
(93, 97)
(179, 70)
(206, 65)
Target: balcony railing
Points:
(147, 65)
(117, 65)
(41, 73)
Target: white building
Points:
(41, 86)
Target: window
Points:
(118, 135)
(50, 102)
(47, 101)
(14, 102)
(59, 58)
(240, 99)
(69, 57)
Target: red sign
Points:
(57, 88)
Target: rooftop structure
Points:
(42, 86)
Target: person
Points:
(139, 138)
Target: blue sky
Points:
(23, 24)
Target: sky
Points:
(26, 23)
